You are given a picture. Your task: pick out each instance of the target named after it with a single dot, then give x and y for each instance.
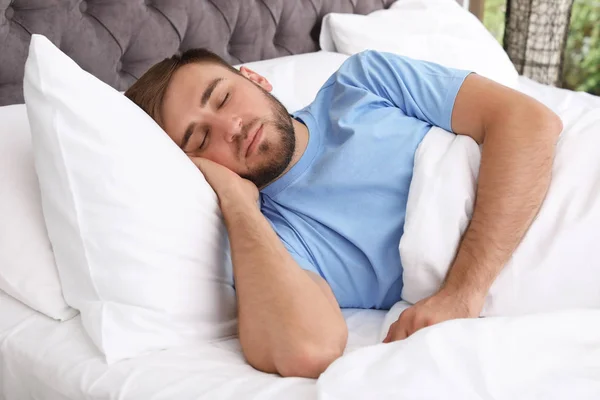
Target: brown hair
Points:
(148, 92)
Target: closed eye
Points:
(204, 140)
(224, 101)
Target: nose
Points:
(230, 127)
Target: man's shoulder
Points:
(370, 57)
(367, 55)
(357, 59)
(352, 68)
(368, 67)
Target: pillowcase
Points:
(295, 79)
(439, 31)
(138, 237)
(27, 269)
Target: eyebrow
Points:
(205, 97)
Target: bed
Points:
(549, 356)
(46, 359)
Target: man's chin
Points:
(265, 177)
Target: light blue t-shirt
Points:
(340, 210)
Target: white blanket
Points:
(551, 350)
(547, 357)
(557, 264)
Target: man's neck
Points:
(301, 133)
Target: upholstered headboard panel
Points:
(118, 40)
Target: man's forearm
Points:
(514, 177)
(280, 308)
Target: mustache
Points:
(245, 132)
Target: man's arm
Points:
(519, 136)
(289, 320)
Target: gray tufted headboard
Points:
(118, 40)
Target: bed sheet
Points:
(44, 359)
(12, 312)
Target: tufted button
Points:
(9, 13)
(83, 7)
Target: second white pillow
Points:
(136, 230)
(439, 31)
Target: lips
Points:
(252, 140)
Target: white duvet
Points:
(552, 349)
(557, 264)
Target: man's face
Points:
(214, 113)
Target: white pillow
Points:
(439, 31)
(27, 269)
(297, 79)
(137, 233)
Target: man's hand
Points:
(442, 306)
(228, 185)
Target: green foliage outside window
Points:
(581, 68)
(493, 17)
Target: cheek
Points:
(253, 104)
(224, 156)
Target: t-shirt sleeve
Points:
(421, 89)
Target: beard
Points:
(277, 156)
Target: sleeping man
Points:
(314, 202)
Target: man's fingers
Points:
(396, 332)
(205, 166)
(401, 327)
(198, 161)
(389, 335)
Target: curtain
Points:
(535, 37)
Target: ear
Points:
(256, 78)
